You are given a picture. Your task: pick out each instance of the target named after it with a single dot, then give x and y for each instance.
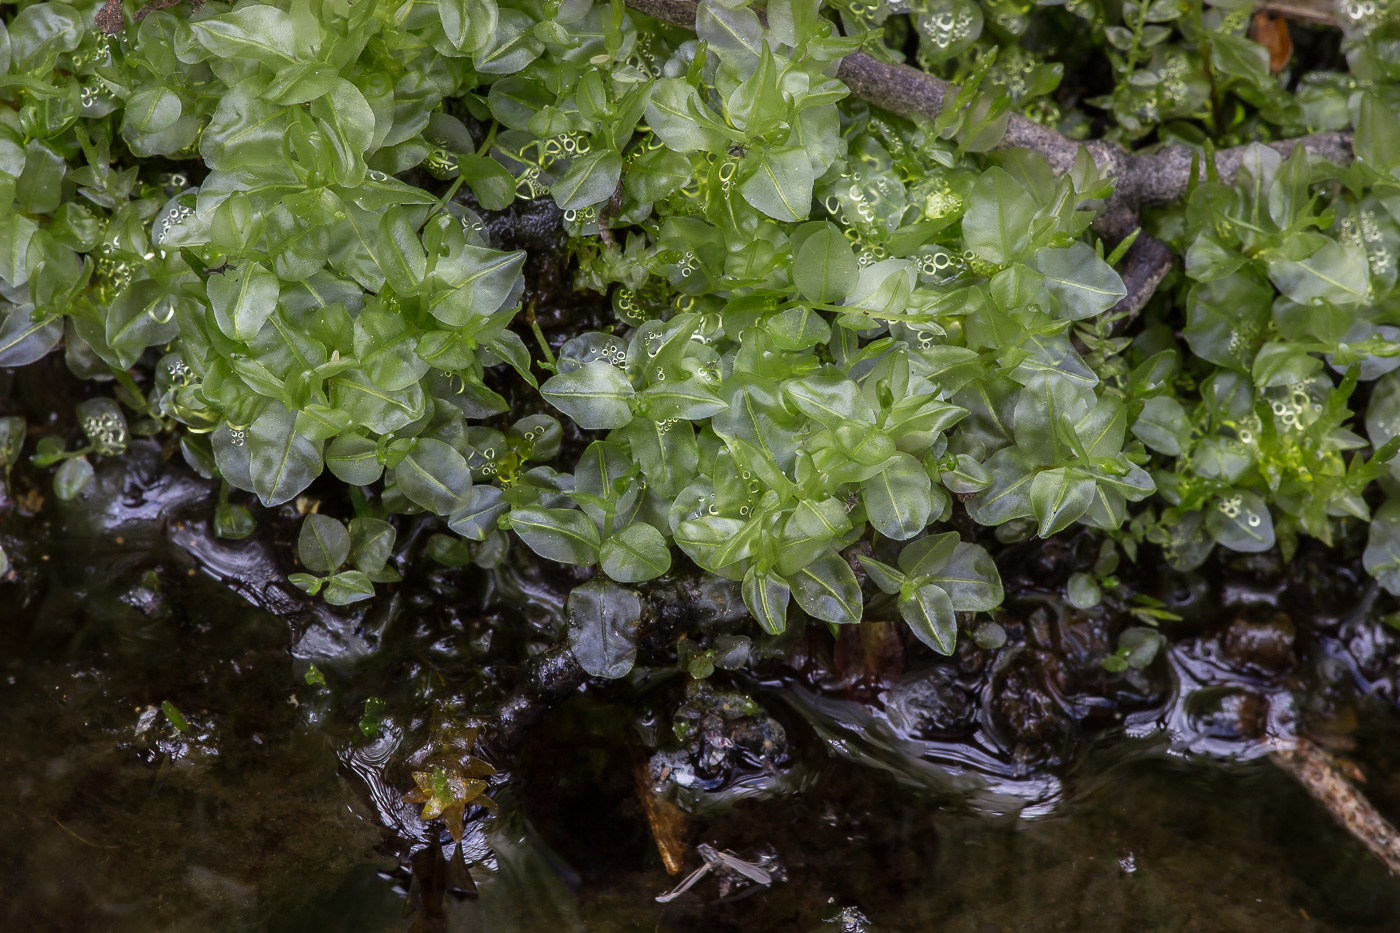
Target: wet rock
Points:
(724, 735)
(1024, 704)
(1259, 642)
(1086, 635)
(1229, 713)
(929, 704)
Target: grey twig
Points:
(1147, 262)
(1153, 178)
(1318, 773)
(1318, 12)
(1141, 180)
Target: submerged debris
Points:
(734, 873)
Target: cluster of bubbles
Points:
(490, 467)
(947, 28)
(1012, 19)
(97, 53)
(441, 164)
(643, 57)
(626, 306)
(1364, 231)
(613, 354)
(1086, 10)
(1359, 18)
(533, 435)
(114, 275)
(942, 202)
(528, 186)
(726, 174)
(1173, 72)
(938, 265)
(175, 214)
(180, 373)
(867, 194)
(647, 143)
(1290, 410)
(890, 137)
(1247, 429)
(752, 485)
(1013, 71)
(1233, 507)
(90, 98)
(1243, 340)
(927, 339)
(106, 431)
(979, 266)
(583, 217)
(564, 146)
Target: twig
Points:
(1320, 12)
(606, 215)
(80, 838)
(1162, 177)
(1140, 180)
(1147, 262)
(1318, 773)
(1148, 179)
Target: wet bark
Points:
(1319, 774)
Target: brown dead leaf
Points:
(668, 822)
(1272, 33)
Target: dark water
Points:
(275, 811)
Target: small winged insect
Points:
(726, 866)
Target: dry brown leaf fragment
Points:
(1272, 33)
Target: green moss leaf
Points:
(931, 617)
(324, 544)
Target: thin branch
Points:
(1147, 262)
(1318, 12)
(1147, 179)
(1162, 177)
(1318, 773)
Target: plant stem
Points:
(1203, 49)
(549, 361)
(485, 146)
